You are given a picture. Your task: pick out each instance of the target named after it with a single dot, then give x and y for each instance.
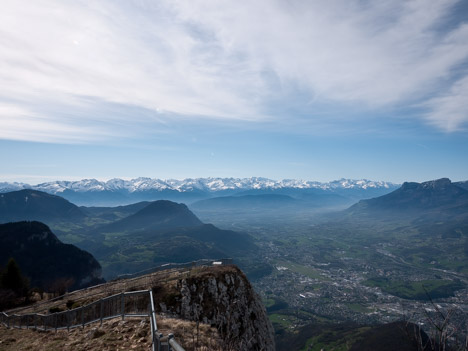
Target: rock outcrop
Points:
(222, 297)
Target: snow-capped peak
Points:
(192, 184)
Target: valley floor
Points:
(360, 273)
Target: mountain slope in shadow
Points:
(37, 205)
(440, 197)
(158, 215)
(43, 258)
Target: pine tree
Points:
(12, 278)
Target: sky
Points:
(313, 90)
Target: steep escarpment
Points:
(223, 298)
(435, 196)
(44, 259)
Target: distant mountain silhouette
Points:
(158, 215)
(43, 258)
(36, 205)
(438, 195)
(276, 201)
(246, 201)
(323, 197)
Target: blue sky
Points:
(281, 89)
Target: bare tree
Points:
(445, 334)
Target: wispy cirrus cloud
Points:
(223, 60)
(449, 110)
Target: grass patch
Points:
(268, 302)
(71, 239)
(283, 320)
(356, 307)
(304, 270)
(333, 340)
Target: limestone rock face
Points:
(224, 298)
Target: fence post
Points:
(102, 306)
(123, 306)
(152, 334)
(169, 337)
(82, 317)
(56, 322)
(68, 320)
(154, 327)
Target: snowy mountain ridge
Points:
(143, 184)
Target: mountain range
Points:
(137, 236)
(119, 191)
(127, 238)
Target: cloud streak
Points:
(449, 111)
(224, 60)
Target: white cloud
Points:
(385, 52)
(449, 111)
(218, 59)
(18, 123)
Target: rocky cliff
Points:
(222, 297)
(206, 308)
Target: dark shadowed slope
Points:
(45, 259)
(162, 232)
(36, 205)
(396, 336)
(228, 242)
(463, 184)
(157, 215)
